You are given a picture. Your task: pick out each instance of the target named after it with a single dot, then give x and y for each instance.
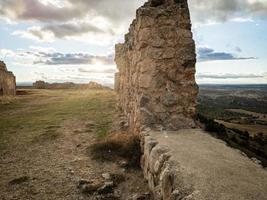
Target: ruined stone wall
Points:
(7, 81)
(40, 85)
(156, 80)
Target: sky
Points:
(73, 40)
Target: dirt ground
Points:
(44, 141)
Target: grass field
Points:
(39, 114)
(45, 138)
(259, 116)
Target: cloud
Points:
(112, 70)
(35, 33)
(58, 58)
(49, 56)
(6, 53)
(214, 11)
(63, 30)
(52, 31)
(121, 12)
(37, 10)
(69, 18)
(209, 54)
(230, 76)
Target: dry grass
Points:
(38, 116)
(260, 116)
(5, 100)
(118, 146)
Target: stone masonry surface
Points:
(156, 79)
(7, 81)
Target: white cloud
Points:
(6, 53)
(35, 33)
(216, 11)
(230, 76)
(49, 56)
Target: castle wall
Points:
(156, 80)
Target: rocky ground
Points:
(45, 137)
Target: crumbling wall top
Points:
(3, 66)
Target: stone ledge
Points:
(190, 164)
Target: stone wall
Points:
(40, 85)
(7, 81)
(157, 166)
(156, 80)
(190, 164)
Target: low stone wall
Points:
(159, 169)
(192, 165)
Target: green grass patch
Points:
(41, 113)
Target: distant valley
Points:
(237, 114)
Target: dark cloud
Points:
(209, 11)
(36, 10)
(71, 59)
(63, 30)
(229, 76)
(208, 54)
(115, 10)
(203, 11)
(49, 56)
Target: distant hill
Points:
(233, 86)
(69, 85)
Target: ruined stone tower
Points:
(7, 81)
(156, 80)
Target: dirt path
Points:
(52, 165)
(53, 169)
